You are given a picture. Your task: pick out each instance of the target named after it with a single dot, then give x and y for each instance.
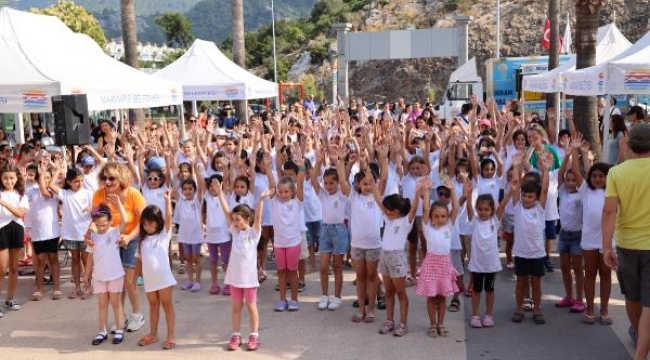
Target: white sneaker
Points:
(334, 304)
(324, 301)
(135, 322)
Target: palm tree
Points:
(552, 100)
(585, 113)
(130, 39)
(239, 47)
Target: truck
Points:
(463, 83)
(504, 76)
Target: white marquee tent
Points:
(626, 73)
(41, 57)
(207, 74)
(610, 42)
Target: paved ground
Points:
(64, 329)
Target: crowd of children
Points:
(407, 199)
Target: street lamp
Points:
(275, 58)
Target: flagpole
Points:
(498, 37)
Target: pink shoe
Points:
(475, 322)
(253, 342)
(578, 307)
(226, 290)
(235, 342)
(564, 303)
(214, 289)
(488, 321)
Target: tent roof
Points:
(207, 74)
(611, 42)
(466, 73)
(602, 78)
(42, 57)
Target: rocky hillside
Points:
(521, 29)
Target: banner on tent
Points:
(637, 80)
(28, 100)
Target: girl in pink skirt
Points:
(437, 274)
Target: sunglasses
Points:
(357, 135)
(109, 178)
(443, 194)
(153, 178)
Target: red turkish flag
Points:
(546, 38)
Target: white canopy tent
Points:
(207, 74)
(625, 73)
(611, 42)
(41, 57)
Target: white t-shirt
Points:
(248, 199)
(485, 246)
(43, 215)
(392, 181)
(155, 197)
(570, 209)
(187, 215)
(312, 206)
(216, 224)
(438, 239)
(409, 189)
(288, 221)
(261, 184)
(395, 233)
(592, 216)
(551, 210)
(91, 180)
(463, 220)
(15, 199)
(28, 219)
(333, 207)
(365, 221)
(529, 232)
(76, 216)
(154, 254)
(242, 267)
(107, 265)
(486, 186)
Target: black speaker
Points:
(71, 121)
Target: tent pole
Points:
(606, 121)
(558, 114)
(181, 121)
(19, 129)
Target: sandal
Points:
(99, 338)
(539, 319)
(588, 319)
(86, 294)
(432, 331)
(168, 345)
(57, 295)
(442, 331)
(181, 269)
(74, 294)
(36, 296)
(606, 320)
(370, 318)
(517, 317)
(454, 306)
(358, 317)
(147, 340)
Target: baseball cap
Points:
(156, 163)
(88, 161)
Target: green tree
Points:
(170, 57)
(177, 28)
(76, 18)
(585, 112)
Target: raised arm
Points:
(115, 200)
(546, 162)
(300, 187)
(168, 209)
(576, 142)
(257, 222)
(340, 168)
(454, 201)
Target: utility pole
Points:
(552, 100)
